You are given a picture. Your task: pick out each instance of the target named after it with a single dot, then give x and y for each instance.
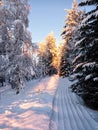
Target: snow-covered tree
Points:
(72, 21)
(48, 55)
(15, 40)
(5, 20)
(86, 59)
(51, 54)
(42, 59)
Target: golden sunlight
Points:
(42, 48)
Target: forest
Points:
(76, 57)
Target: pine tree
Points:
(43, 59)
(48, 56)
(86, 60)
(71, 23)
(51, 51)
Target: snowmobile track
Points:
(69, 114)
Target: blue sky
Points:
(46, 16)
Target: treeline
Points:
(79, 58)
(17, 63)
(47, 63)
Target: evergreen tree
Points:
(48, 56)
(43, 59)
(86, 60)
(71, 23)
(51, 51)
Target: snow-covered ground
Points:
(31, 108)
(47, 104)
(69, 111)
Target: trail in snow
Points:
(45, 105)
(31, 109)
(69, 113)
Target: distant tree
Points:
(51, 54)
(86, 59)
(43, 59)
(48, 55)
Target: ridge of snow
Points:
(95, 79)
(89, 16)
(77, 57)
(77, 66)
(78, 42)
(88, 77)
(90, 64)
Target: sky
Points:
(46, 16)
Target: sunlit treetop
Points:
(42, 48)
(73, 19)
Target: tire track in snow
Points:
(70, 111)
(65, 111)
(58, 117)
(54, 115)
(70, 115)
(75, 112)
(84, 115)
(61, 125)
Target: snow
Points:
(84, 1)
(3, 89)
(78, 66)
(74, 76)
(77, 57)
(96, 13)
(88, 77)
(31, 108)
(0, 39)
(90, 64)
(89, 16)
(79, 42)
(45, 104)
(17, 21)
(86, 19)
(95, 79)
(32, 71)
(70, 112)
